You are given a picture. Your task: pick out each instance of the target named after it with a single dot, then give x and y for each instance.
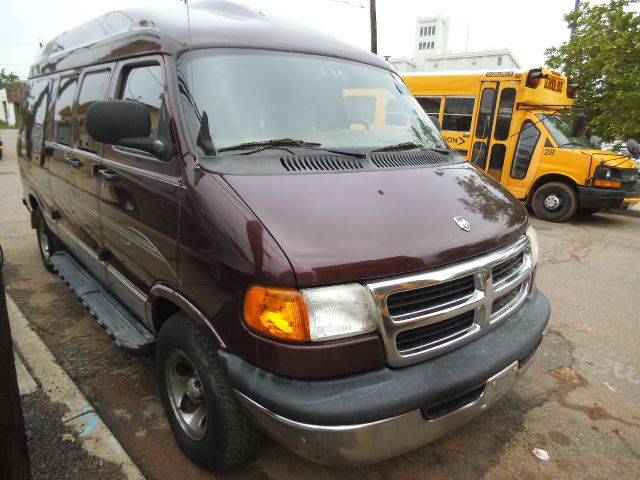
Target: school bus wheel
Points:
(555, 202)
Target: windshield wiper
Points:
(282, 144)
(410, 146)
(275, 143)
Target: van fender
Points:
(167, 291)
(549, 177)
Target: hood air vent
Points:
(319, 163)
(408, 159)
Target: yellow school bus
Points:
(514, 125)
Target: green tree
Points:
(8, 80)
(603, 56)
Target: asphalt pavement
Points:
(578, 402)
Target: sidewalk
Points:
(67, 438)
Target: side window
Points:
(496, 161)
(505, 110)
(527, 140)
(431, 106)
(37, 104)
(458, 113)
(64, 105)
(93, 88)
(145, 84)
(483, 127)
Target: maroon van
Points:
(270, 211)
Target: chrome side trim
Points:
(480, 302)
(175, 181)
(185, 304)
(363, 444)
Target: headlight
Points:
(313, 314)
(533, 241)
(339, 311)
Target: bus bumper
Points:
(593, 197)
(633, 196)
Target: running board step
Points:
(121, 326)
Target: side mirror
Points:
(579, 126)
(633, 148)
(124, 123)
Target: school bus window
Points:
(397, 113)
(505, 109)
(361, 108)
(458, 112)
(479, 155)
(485, 116)
(528, 138)
(431, 105)
(62, 117)
(496, 161)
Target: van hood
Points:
(347, 227)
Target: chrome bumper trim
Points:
(364, 444)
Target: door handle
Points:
(73, 162)
(109, 176)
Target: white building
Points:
(431, 37)
(430, 52)
(8, 107)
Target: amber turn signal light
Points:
(607, 183)
(277, 312)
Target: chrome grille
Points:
(422, 299)
(435, 333)
(427, 314)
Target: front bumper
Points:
(369, 417)
(594, 197)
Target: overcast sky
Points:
(474, 25)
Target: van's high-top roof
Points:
(131, 32)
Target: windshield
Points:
(232, 97)
(560, 127)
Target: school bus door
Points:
(491, 135)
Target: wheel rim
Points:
(186, 395)
(552, 202)
(43, 238)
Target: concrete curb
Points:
(92, 434)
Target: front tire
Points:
(47, 242)
(204, 416)
(555, 202)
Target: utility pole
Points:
(374, 26)
(575, 9)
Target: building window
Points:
(421, 31)
(433, 30)
(474, 62)
(435, 65)
(499, 60)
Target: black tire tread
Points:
(241, 436)
(542, 213)
(54, 243)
